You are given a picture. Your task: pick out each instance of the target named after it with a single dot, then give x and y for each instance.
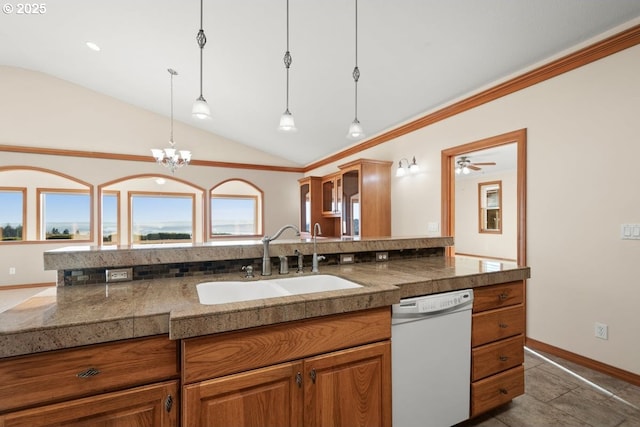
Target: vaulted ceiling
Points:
(414, 55)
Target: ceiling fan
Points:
(465, 166)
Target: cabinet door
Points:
(349, 388)
(147, 406)
(266, 397)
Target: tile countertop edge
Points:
(184, 323)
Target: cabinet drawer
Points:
(227, 353)
(491, 392)
(497, 357)
(60, 375)
(497, 296)
(494, 325)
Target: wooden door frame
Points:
(519, 137)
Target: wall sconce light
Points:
(413, 166)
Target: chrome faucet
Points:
(314, 265)
(266, 260)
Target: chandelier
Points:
(170, 157)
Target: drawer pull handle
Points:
(312, 374)
(168, 403)
(91, 372)
(503, 325)
(503, 296)
(503, 391)
(503, 358)
(299, 379)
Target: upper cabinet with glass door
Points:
(365, 199)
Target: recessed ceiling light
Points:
(93, 46)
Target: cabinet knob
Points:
(312, 374)
(503, 391)
(503, 358)
(91, 372)
(299, 379)
(503, 325)
(168, 403)
(503, 296)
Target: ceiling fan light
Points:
(287, 123)
(466, 170)
(355, 130)
(201, 109)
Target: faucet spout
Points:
(314, 260)
(266, 259)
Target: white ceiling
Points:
(414, 55)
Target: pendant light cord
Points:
(202, 40)
(173, 73)
(356, 70)
(287, 59)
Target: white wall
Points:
(68, 116)
(468, 239)
(582, 136)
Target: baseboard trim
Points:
(584, 361)
(27, 285)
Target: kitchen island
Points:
(163, 316)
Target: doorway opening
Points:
(449, 156)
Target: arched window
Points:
(44, 205)
(236, 209)
(146, 209)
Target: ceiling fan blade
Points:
(484, 164)
(475, 168)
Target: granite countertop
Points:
(65, 317)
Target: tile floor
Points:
(555, 397)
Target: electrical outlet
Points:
(601, 331)
(119, 275)
(382, 256)
(12, 271)
(346, 258)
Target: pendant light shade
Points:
(287, 123)
(355, 129)
(200, 108)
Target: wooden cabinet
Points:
(146, 406)
(99, 382)
(349, 388)
(334, 370)
(357, 199)
(497, 341)
(311, 206)
(332, 195)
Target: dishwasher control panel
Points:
(434, 303)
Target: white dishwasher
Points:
(431, 359)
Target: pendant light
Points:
(201, 109)
(355, 129)
(287, 124)
(171, 158)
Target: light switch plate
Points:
(630, 231)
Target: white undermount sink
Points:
(234, 291)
